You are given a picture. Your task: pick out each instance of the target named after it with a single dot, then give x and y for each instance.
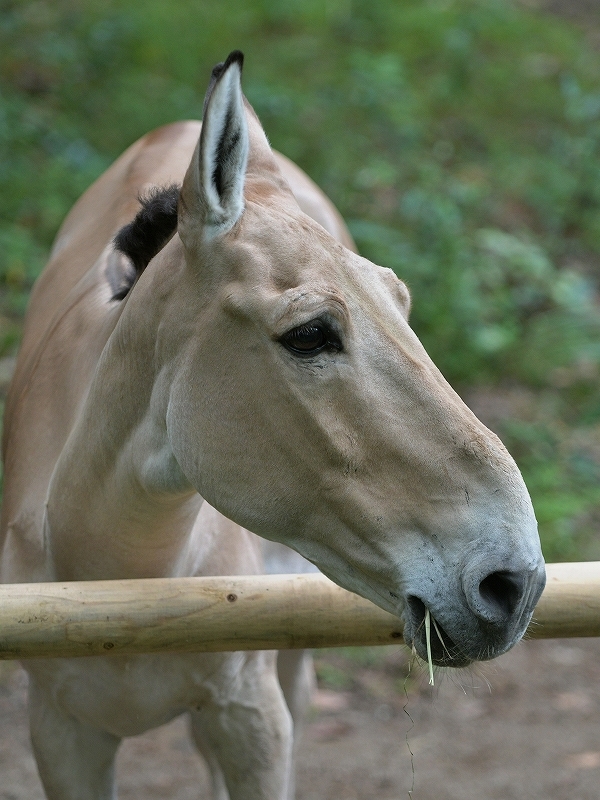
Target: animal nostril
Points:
(501, 593)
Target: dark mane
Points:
(149, 231)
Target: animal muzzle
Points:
(503, 597)
(492, 615)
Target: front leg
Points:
(297, 679)
(75, 760)
(245, 732)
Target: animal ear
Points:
(213, 189)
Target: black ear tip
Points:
(235, 57)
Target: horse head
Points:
(300, 403)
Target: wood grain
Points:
(240, 613)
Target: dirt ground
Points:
(533, 734)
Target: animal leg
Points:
(245, 733)
(75, 761)
(219, 788)
(297, 678)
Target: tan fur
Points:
(123, 416)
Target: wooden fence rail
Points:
(239, 613)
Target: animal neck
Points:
(118, 503)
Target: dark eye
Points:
(309, 339)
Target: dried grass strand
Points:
(428, 641)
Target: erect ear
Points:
(212, 195)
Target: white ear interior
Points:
(223, 152)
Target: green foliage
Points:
(562, 469)
(376, 672)
(461, 138)
(332, 676)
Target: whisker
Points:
(441, 638)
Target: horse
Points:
(206, 360)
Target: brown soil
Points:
(534, 735)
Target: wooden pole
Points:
(570, 604)
(239, 613)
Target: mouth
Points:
(444, 651)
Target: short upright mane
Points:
(153, 225)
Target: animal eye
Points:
(309, 339)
